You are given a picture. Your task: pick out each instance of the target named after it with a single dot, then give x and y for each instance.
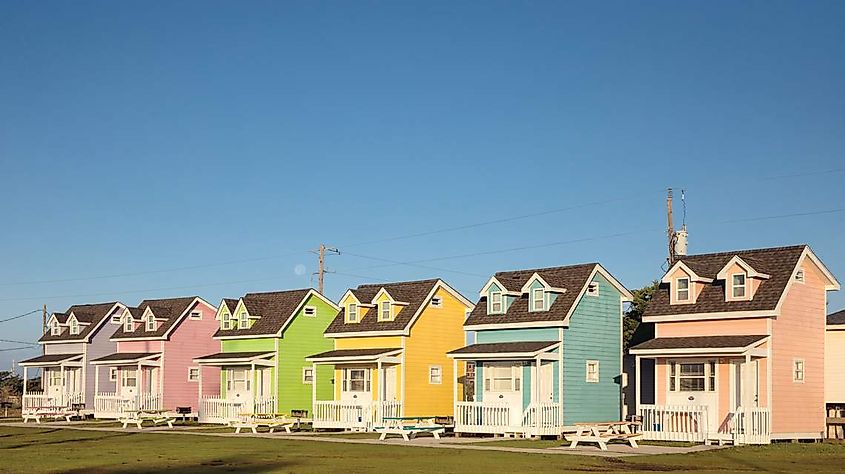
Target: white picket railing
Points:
(354, 415)
(223, 410)
(111, 405)
(542, 419)
(674, 422)
(749, 426)
(33, 401)
(483, 417)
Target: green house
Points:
(261, 368)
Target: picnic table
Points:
(138, 417)
(409, 426)
(603, 433)
(273, 421)
(55, 412)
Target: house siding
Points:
(594, 333)
(834, 366)
(191, 339)
(100, 346)
(373, 342)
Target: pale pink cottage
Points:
(739, 348)
(153, 365)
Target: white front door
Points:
(693, 383)
(55, 384)
(128, 382)
(746, 383)
(503, 384)
(545, 386)
(390, 383)
(355, 385)
(239, 386)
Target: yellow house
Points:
(390, 351)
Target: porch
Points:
(367, 393)
(706, 389)
(517, 392)
(250, 386)
(62, 383)
(138, 380)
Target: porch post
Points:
(62, 378)
(637, 389)
(746, 380)
(25, 379)
(535, 390)
(381, 395)
(252, 384)
(199, 389)
(96, 380)
(455, 380)
(313, 387)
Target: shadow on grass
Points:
(240, 464)
(37, 442)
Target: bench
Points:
(603, 433)
(55, 413)
(272, 421)
(409, 427)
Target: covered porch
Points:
(62, 383)
(367, 388)
(706, 389)
(138, 379)
(517, 389)
(250, 386)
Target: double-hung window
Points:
(356, 380)
(538, 297)
(738, 285)
(352, 313)
(435, 374)
(151, 323)
(592, 371)
(55, 329)
(384, 315)
(226, 322)
(74, 327)
(243, 321)
(692, 376)
(682, 292)
(128, 378)
(798, 370)
(496, 302)
(127, 324)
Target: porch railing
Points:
(354, 415)
(33, 401)
(542, 419)
(749, 426)
(674, 422)
(223, 410)
(112, 405)
(482, 417)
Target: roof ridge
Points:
(395, 283)
(277, 292)
(737, 252)
(564, 267)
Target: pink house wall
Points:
(718, 327)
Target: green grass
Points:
(46, 449)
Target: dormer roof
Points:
(749, 270)
(681, 265)
(89, 317)
(169, 311)
(271, 311)
(776, 268)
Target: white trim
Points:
(380, 291)
(491, 300)
(593, 289)
(833, 283)
(706, 316)
(311, 292)
(439, 303)
(587, 365)
(114, 362)
(834, 327)
(197, 300)
(527, 324)
(810, 435)
(266, 356)
(749, 270)
(309, 308)
(386, 356)
(683, 266)
(676, 286)
(730, 286)
(190, 380)
(795, 361)
(438, 367)
(533, 299)
(508, 355)
(800, 273)
(598, 269)
(376, 332)
(381, 310)
(486, 288)
(749, 349)
(191, 315)
(305, 369)
(113, 377)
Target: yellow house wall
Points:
(378, 342)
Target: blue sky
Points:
(204, 147)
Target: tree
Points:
(633, 331)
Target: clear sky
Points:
(203, 147)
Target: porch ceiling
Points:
(50, 360)
(499, 350)
(354, 355)
(126, 358)
(698, 344)
(234, 358)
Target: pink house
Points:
(153, 365)
(739, 347)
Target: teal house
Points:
(547, 352)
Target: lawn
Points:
(74, 451)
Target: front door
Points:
(545, 384)
(503, 385)
(746, 384)
(55, 384)
(239, 386)
(355, 385)
(693, 383)
(128, 382)
(390, 383)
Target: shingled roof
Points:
(273, 310)
(778, 263)
(91, 314)
(412, 292)
(167, 309)
(572, 278)
(836, 318)
(699, 342)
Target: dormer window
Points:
(593, 289)
(243, 320)
(385, 312)
(682, 290)
(799, 276)
(74, 327)
(55, 329)
(127, 324)
(226, 321)
(538, 299)
(738, 289)
(495, 302)
(352, 313)
(151, 323)
(436, 302)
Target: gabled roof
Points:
(230, 303)
(572, 278)
(415, 293)
(167, 310)
(91, 315)
(836, 318)
(271, 311)
(778, 263)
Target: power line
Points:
(797, 214)
(15, 349)
(19, 316)
(18, 342)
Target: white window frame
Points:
(128, 324)
(305, 375)
(190, 373)
(743, 286)
(593, 289)
(352, 312)
(54, 378)
(800, 276)
(541, 299)
(231, 381)
(795, 371)
(226, 321)
(678, 290)
(592, 376)
(124, 377)
(196, 315)
(55, 329)
(150, 323)
(73, 327)
(709, 375)
(243, 320)
(435, 374)
(116, 319)
(382, 309)
(490, 377)
(311, 309)
(366, 380)
(436, 302)
(112, 374)
(493, 303)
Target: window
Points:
(502, 378)
(238, 380)
(682, 290)
(243, 320)
(128, 378)
(495, 302)
(193, 374)
(384, 314)
(435, 374)
(592, 371)
(115, 319)
(352, 313)
(127, 324)
(55, 329)
(593, 289)
(113, 374)
(226, 323)
(437, 302)
(799, 276)
(151, 323)
(196, 315)
(692, 376)
(538, 299)
(74, 327)
(798, 370)
(308, 375)
(738, 285)
(356, 380)
(310, 311)
(54, 378)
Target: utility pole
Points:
(43, 319)
(321, 273)
(670, 232)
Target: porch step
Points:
(721, 438)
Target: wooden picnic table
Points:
(48, 411)
(398, 425)
(602, 433)
(138, 417)
(253, 421)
